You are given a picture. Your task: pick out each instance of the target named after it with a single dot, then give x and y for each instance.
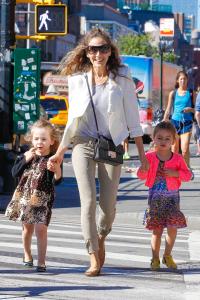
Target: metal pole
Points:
(161, 77)
(7, 41)
(28, 25)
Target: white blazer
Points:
(122, 108)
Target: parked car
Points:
(56, 107)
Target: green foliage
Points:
(168, 57)
(142, 45)
(144, 6)
(136, 45)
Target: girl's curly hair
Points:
(77, 60)
(54, 133)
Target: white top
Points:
(86, 125)
(123, 115)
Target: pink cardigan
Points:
(176, 162)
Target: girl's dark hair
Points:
(54, 133)
(165, 126)
(77, 60)
(178, 76)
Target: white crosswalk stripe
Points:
(124, 245)
(126, 269)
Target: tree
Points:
(136, 45)
(144, 6)
(142, 45)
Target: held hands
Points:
(144, 165)
(29, 154)
(58, 158)
(53, 166)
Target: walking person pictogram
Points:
(43, 20)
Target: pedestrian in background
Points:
(166, 172)
(126, 155)
(181, 103)
(197, 116)
(115, 103)
(34, 196)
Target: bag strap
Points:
(91, 99)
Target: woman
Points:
(115, 102)
(182, 104)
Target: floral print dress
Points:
(163, 210)
(33, 198)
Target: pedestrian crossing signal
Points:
(51, 19)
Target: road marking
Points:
(71, 233)
(83, 252)
(64, 241)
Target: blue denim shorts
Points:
(182, 126)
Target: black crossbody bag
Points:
(105, 149)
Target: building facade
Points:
(104, 16)
(188, 7)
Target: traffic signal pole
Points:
(7, 42)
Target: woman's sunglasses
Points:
(94, 49)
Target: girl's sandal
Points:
(41, 268)
(28, 263)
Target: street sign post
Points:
(26, 88)
(167, 27)
(51, 19)
(166, 38)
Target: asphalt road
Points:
(126, 274)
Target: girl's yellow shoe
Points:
(155, 264)
(169, 262)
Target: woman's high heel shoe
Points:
(92, 272)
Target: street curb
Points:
(193, 222)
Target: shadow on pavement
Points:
(67, 194)
(39, 290)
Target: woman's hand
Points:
(56, 158)
(188, 109)
(29, 154)
(144, 164)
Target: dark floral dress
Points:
(33, 198)
(163, 210)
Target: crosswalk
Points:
(126, 244)
(128, 255)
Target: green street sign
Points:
(26, 88)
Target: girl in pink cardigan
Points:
(167, 171)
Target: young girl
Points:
(167, 171)
(33, 198)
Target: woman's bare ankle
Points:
(94, 260)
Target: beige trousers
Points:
(109, 176)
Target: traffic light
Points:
(51, 19)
